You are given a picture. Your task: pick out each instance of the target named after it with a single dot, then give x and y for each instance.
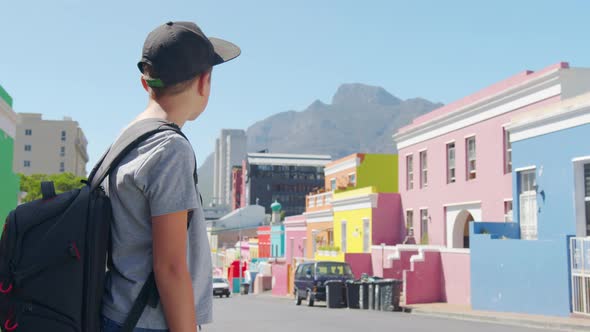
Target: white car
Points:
(221, 287)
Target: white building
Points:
(49, 146)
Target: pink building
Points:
(295, 238)
(455, 162)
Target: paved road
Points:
(265, 313)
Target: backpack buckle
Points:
(9, 327)
(5, 290)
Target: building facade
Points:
(49, 146)
(286, 178)
(456, 162)
(551, 190)
(9, 188)
(230, 150)
(236, 192)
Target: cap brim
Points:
(225, 50)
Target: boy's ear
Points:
(204, 82)
(144, 84)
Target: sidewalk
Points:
(445, 310)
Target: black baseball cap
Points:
(179, 51)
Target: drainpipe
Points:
(383, 260)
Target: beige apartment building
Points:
(49, 146)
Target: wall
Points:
(264, 241)
(297, 251)
(520, 276)
(456, 276)
(423, 283)
(555, 177)
(354, 229)
(280, 279)
(398, 266)
(380, 171)
(359, 263)
(388, 224)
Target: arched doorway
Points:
(461, 229)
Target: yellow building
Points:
(364, 204)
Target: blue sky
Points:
(78, 57)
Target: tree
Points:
(31, 184)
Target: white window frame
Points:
(527, 196)
(508, 213)
(410, 172)
(409, 221)
(343, 237)
(63, 135)
(27, 163)
(62, 166)
(28, 147)
(366, 234)
(423, 169)
(62, 151)
(507, 152)
(28, 132)
(350, 178)
(333, 183)
(423, 223)
(471, 169)
(451, 162)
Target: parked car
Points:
(310, 279)
(221, 287)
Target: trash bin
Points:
(244, 288)
(371, 296)
(353, 294)
(389, 291)
(335, 294)
(364, 295)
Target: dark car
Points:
(310, 279)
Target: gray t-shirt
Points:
(154, 179)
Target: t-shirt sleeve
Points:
(166, 177)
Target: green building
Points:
(9, 181)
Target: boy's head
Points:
(177, 59)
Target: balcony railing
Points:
(319, 200)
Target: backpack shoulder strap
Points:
(130, 139)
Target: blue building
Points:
(277, 241)
(525, 266)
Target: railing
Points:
(319, 200)
(580, 263)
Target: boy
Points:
(153, 193)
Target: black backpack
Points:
(53, 252)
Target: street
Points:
(266, 313)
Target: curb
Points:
(500, 320)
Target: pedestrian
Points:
(158, 216)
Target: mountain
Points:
(360, 118)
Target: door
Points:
(528, 205)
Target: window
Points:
(423, 169)
(507, 153)
(528, 205)
(470, 150)
(451, 163)
(61, 167)
(343, 239)
(352, 179)
(508, 211)
(27, 147)
(333, 184)
(410, 222)
(423, 226)
(63, 135)
(62, 151)
(27, 163)
(28, 132)
(410, 172)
